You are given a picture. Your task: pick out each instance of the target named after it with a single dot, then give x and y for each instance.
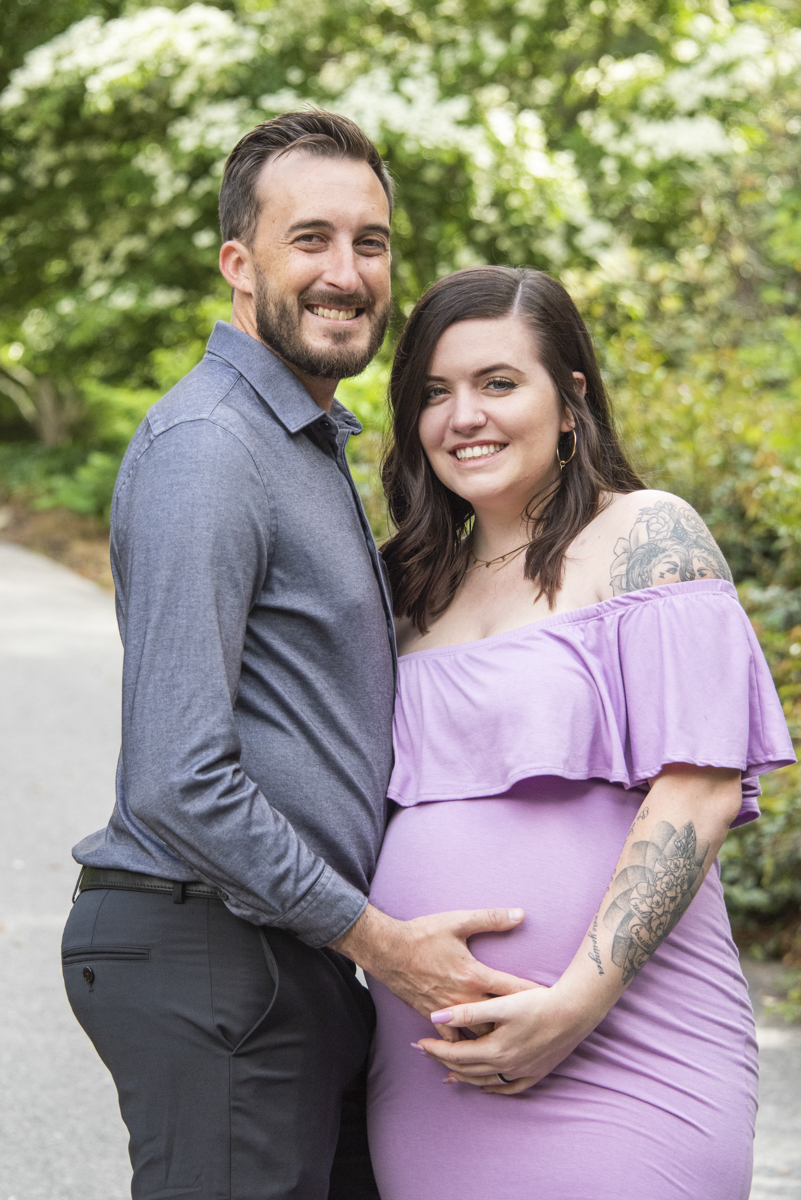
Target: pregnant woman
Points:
(582, 713)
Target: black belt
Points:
(92, 878)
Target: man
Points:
(208, 954)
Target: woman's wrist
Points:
(584, 997)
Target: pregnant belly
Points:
(548, 846)
(662, 1094)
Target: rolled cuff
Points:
(327, 910)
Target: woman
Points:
(582, 713)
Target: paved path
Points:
(777, 1152)
(61, 1137)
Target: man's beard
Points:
(278, 324)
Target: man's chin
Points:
(330, 361)
(339, 354)
(353, 339)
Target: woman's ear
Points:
(581, 382)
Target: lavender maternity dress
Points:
(521, 761)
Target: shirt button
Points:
(88, 974)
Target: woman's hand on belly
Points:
(532, 1033)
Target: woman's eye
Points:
(434, 393)
(499, 384)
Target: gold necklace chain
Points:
(488, 562)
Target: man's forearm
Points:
(369, 932)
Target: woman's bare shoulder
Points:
(654, 538)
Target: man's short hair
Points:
(314, 131)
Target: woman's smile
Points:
(476, 454)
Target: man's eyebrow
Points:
(312, 223)
(316, 223)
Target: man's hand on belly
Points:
(426, 961)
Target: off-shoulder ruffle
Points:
(614, 691)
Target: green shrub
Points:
(761, 862)
(790, 1006)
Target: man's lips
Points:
(328, 313)
(472, 451)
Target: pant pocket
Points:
(102, 985)
(79, 954)
(243, 977)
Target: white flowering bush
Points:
(647, 154)
(646, 151)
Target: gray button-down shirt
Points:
(258, 680)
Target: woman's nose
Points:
(466, 413)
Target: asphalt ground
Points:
(61, 1137)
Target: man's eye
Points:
(373, 246)
(309, 239)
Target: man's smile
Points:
(334, 314)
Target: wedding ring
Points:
(503, 1078)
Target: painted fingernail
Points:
(415, 1046)
(516, 914)
(442, 1017)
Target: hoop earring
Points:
(564, 461)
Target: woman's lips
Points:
(478, 451)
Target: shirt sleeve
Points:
(191, 555)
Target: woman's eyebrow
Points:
(477, 374)
(495, 367)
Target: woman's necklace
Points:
(488, 562)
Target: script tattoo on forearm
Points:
(595, 953)
(667, 544)
(650, 895)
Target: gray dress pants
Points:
(239, 1053)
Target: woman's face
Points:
(492, 417)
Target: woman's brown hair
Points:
(426, 558)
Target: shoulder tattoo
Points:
(667, 544)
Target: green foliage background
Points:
(645, 151)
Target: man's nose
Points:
(342, 270)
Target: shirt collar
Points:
(273, 380)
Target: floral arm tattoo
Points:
(650, 896)
(668, 544)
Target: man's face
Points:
(321, 290)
